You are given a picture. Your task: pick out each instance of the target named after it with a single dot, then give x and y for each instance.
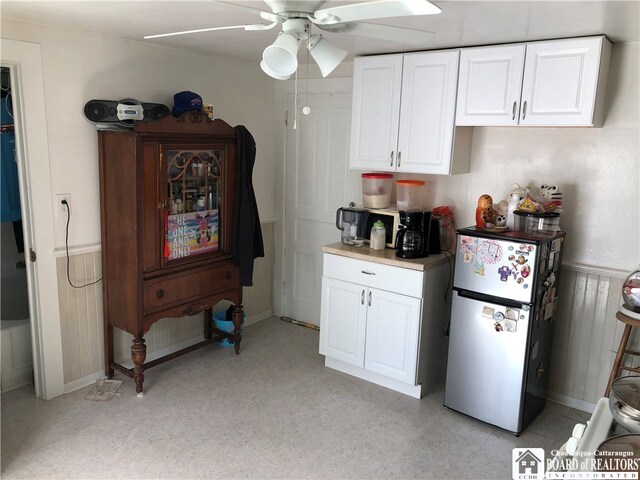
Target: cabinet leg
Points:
(238, 320)
(138, 355)
(108, 350)
(208, 322)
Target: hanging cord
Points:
(307, 110)
(5, 88)
(295, 102)
(66, 243)
(8, 104)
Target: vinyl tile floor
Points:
(274, 411)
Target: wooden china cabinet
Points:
(167, 193)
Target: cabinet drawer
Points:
(376, 275)
(188, 286)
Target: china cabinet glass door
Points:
(194, 201)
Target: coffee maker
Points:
(418, 236)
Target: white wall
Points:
(597, 170)
(79, 67)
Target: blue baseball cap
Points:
(184, 102)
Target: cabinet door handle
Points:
(367, 273)
(369, 297)
(362, 298)
(513, 111)
(524, 109)
(399, 160)
(391, 163)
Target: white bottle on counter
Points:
(378, 236)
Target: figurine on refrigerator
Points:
(484, 211)
(516, 196)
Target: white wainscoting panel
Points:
(81, 316)
(587, 334)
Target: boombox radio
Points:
(110, 114)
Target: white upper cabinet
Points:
(562, 81)
(548, 83)
(376, 103)
(427, 112)
(490, 85)
(404, 113)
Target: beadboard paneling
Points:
(81, 315)
(587, 333)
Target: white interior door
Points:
(317, 182)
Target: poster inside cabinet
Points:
(192, 233)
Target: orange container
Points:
(409, 194)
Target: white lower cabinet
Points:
(356, 319)
(343, 321)
(391, 342)
(373, 332)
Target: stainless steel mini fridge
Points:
(502, 316)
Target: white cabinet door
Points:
(560, 82)
(343, 317)
(376, 106)
(489, 85)
(393, 326)
(427, 112)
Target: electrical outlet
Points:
(62, 208)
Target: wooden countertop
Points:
(386, 256)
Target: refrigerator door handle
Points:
(481, 297)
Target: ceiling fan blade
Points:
(254, 26)
(382, 32)
(374, 10)
(272, 17)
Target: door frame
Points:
(24, 60)
(281, 90)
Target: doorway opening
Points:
(17, 358)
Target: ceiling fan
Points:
(296, 17)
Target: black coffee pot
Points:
(418, 235)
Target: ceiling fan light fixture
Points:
(326, 55)
(271, 73)
(281, 57)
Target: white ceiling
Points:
(461, 23)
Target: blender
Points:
(352, 222)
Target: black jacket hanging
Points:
(247, 237)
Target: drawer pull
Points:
(367, 273)
(160, 293)
(227, 275)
